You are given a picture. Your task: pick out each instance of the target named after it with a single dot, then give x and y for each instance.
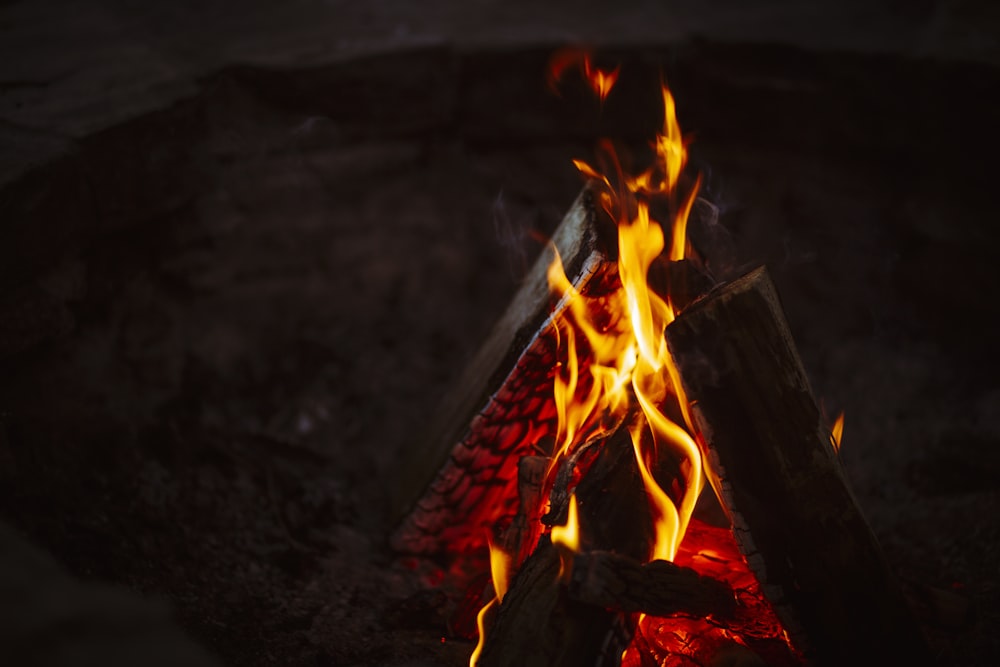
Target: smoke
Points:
(712, 241)
(513, 232)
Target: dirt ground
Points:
(224, 320)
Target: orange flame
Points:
(481, 627)
(632, 357)
(500, 573)
(499, 570)
(568, 536)
(567, 540)
(837, 432)
(614, 351)
(601, 81)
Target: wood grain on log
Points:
(769, 458)
(522, 535)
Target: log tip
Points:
(757, 279)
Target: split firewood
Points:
(657, 588)
(769, 458)
(538, 622)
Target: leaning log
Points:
(769, 458)
(459, 479)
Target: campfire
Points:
(634, 469)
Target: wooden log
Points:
(522, 535)
(538, 623)
(657, 588)
(769, 458)
(460, 477)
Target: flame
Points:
(625, 352)
(613, 351)
(481, 627)
(499, 570)
(580, 401)
(837, 432)
(500, 573)
(601, 81)
(567, 540)
(568, 536)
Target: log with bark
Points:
(769, 458)
(460, 477)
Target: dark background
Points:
(245, 248)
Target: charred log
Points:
(657, 588)
(523, 533)
(461, 476)
(769, 458)
(538, 622)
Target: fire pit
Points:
(227, 321)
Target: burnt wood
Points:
(539, 622)
(460, 477)
(522, 535)
(657, 588)
(769, 458)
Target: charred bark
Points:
(657, 588)
(770, 460)
(461, 477)
(522, 535)
(539, 622)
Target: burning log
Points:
(537, 622)
(770, 460)
(657, 588)
(564, 609)
(460, 479)
(524, 531)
